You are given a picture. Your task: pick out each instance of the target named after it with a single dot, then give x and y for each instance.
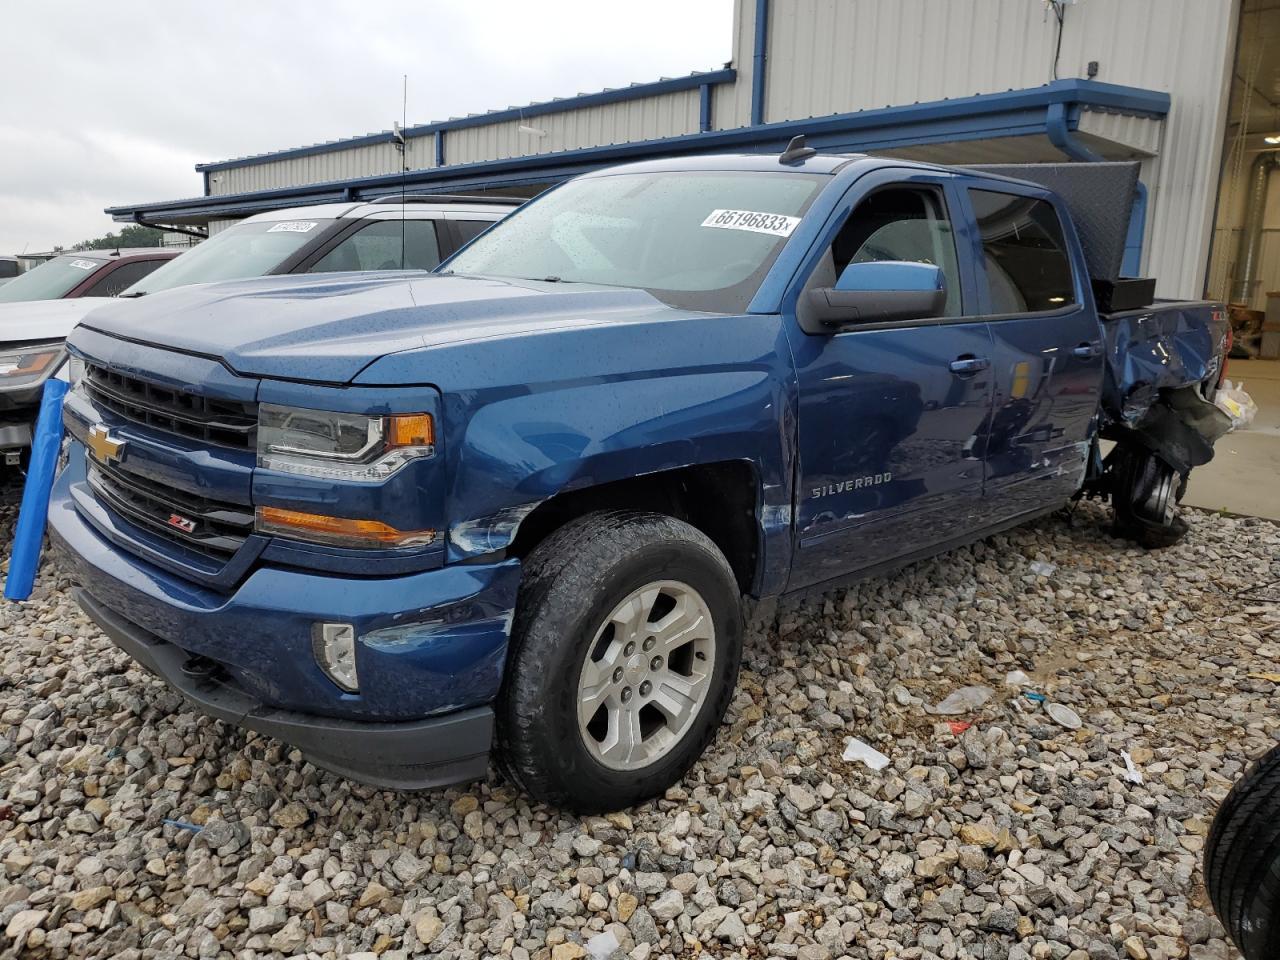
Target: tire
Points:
(1145, 492)
(1242, 861)
(570, 634)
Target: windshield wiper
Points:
(132, 296)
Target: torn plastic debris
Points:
(855, 749)
(1042, 568)
(959, 726)
(183, 825)
(1131, 771)
(964, 700)
(1034, 697)
(602, 945)
(1236, 404)
(1016, 678)
(1064, 716)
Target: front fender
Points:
(611, 402)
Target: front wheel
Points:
(624, 654)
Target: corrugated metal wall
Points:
(666, 115)
(832, 56)
(835, 56)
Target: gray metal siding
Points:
(666, 115)
(834, 56)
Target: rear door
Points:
(890, 414)
(1047, 363)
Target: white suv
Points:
(390, 233)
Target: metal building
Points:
(952, 81)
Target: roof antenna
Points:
(796, 151)
(397, 134)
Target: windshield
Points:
(245, 250)
(700, 240)
(52, 279)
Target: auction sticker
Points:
(774, 224)
(84, 264)
(292, 226)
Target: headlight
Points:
(27, 366)
(341, 446)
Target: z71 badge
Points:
(853, 483)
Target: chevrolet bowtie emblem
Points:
(102, 445)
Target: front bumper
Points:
(430, 654)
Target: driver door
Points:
(890, 414)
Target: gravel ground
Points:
(1015, 838)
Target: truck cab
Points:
(511, 509)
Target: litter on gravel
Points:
(964, 700)
(855, 749)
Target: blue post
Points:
(28, 537)
(760, 55)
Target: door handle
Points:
(968, 365)
(1087, 351)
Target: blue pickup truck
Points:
(512, 508)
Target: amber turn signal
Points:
(410, 430)
(338, 531)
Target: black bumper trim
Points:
(405, 755)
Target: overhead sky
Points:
(110, 103)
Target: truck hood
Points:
(44, 319)
(328, 327)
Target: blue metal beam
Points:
(761, 54)
(1012, 113)
(634, 92)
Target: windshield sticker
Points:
(84, 264)
(292, 226)
(774, 224)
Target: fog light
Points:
(334, 646)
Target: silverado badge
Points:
(102, 445)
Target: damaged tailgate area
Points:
(1163, 366)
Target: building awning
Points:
(1075, 119)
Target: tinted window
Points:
(123, 276)
(1025, 254)
(377, 247)
(468, 230)
(52, 279)
(901, 224)
(702, 240)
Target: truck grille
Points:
(211, 527)
(227, 423)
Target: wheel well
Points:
(717, 498)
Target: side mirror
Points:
(880, 292)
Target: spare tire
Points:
(1242, 861)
